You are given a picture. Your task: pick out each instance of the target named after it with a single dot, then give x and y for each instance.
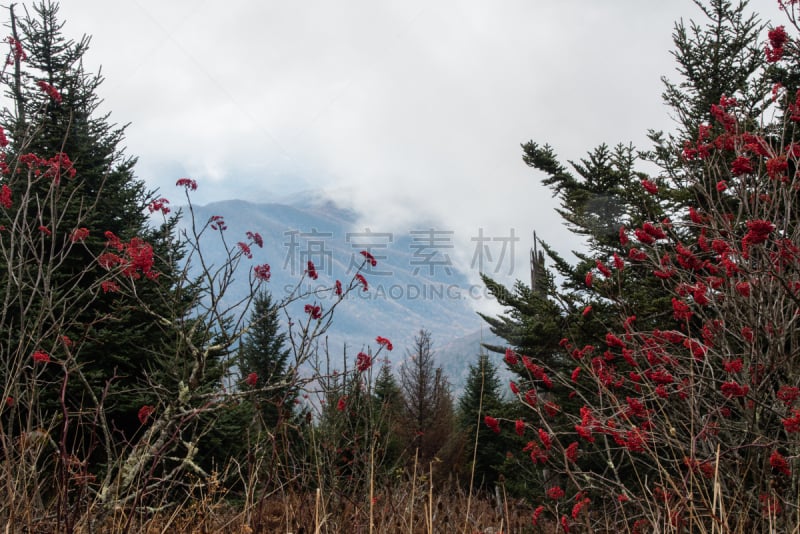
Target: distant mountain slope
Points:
(411, 287)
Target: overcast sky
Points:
(410, 110)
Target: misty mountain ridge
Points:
(414, 284)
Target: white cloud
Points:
(410, 111)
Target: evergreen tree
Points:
(89, 280)
(81, 178)
(721, 56)
(607, 202)
(387, 391)
(388, 400)
(263, 360)
(267, 415)
(482, 397)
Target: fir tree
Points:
(263, 360)
(388, 400)
(117, 344)
(124, 349)
(268, 413)
(604, 199)
(387, 391)
(482, 397)
(721, 55)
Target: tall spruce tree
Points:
(388, 400)
(387, 390)
(482, 397)
(81, 180)
(263, 359)
(604, 199)
(719, 55)
(268, 413)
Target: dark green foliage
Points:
(263, 351)
(533, 324)
(602, 195)
(262, 429)
(482, 397)
(387, 390)
(388, 401)
(600, 199)
(126, 356)
(721, 55)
